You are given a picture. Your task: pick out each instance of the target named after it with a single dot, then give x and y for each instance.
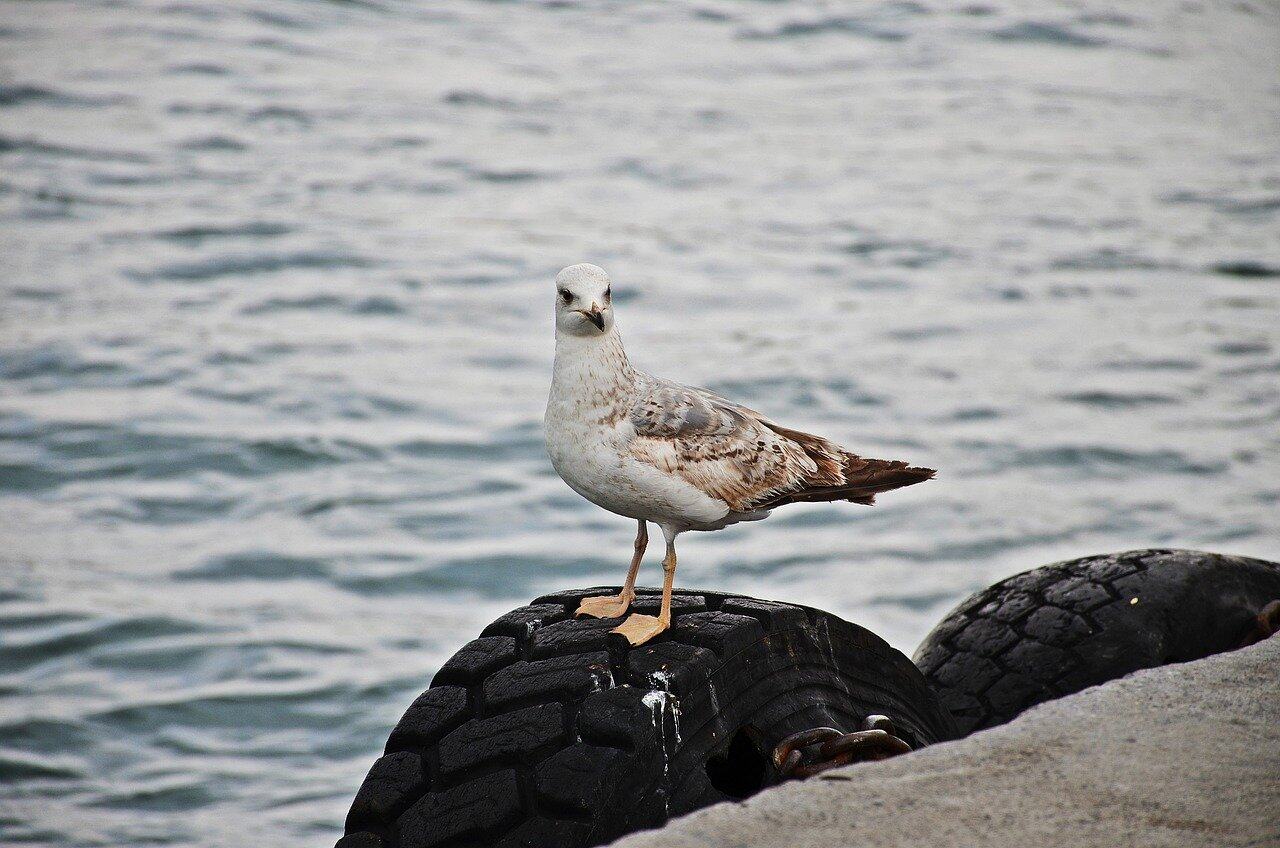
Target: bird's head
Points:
(583, 301)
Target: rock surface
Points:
(1180, 756)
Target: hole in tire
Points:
(740, 771)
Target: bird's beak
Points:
(594, 315)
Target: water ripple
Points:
(1116, 400)
(1246, 269)
(196, 234)
(31, 646)
(59, 453)
(1034, 32)
(276, 340)
(238, 265)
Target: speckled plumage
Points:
(681, 457)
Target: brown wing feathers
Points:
(859, 478)
(735, 454)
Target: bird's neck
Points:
(591, 377)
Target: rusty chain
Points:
(1264, 625)
(810, 752)
(818, 749)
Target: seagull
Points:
(678, 456)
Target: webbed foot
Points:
(641, 628)
(604, 606)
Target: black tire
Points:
(549, 731)
(1063, 627)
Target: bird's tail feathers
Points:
(860, 478)
(864, 479)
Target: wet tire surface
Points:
(550, 731)
(1063, 627)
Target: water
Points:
(275, 339)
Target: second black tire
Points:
(549, 731)
(1060, 628)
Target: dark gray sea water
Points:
(275, 338)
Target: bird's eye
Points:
(566, 295)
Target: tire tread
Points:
(1060, 628)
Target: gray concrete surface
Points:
(1181, 756)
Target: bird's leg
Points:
(641, 628)
(613, 606)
